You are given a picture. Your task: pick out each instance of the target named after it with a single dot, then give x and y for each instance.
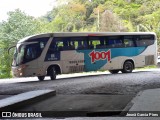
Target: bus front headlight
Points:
(19, 69)
(22, 67)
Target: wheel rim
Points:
(128, 67)
(53, 74)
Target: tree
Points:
(110, 22)
(18, 26)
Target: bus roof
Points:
(74, 34)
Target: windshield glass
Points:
(32, 51)
(18, 55)
(28, 51)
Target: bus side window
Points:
(101, 44)
(93, 42)
(114, 42)
(71, 45)
(145, 40)
(77, 43)
(110, 44)
(53, 46)
(90, 46)
(59, 45)
(42, 45)
(128, 43)
(81, 45)
(118, 43)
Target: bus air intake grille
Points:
(149, 60)
(79, 68)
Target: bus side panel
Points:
(150, 55)
(90, 60)
(72, 61)
(139, 61)
(30, 68)
(116, 63)
(143, 56)
(113, 58)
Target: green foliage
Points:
(79, 16)
(16, 27)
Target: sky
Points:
(34, 8)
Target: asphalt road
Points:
(87, 91)
(96, 83)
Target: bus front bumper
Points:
(17, 72)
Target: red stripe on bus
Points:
(94, 35)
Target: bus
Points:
(51, 54)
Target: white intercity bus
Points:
(51, 54)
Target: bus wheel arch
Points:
(128, 66)
(53, 70)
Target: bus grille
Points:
(78, 68)
(149, 60)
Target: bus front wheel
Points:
(127, 67)
(53, 73)
(41, 78)
(113, 71)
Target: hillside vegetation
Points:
(79, 16)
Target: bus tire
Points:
(53, 73)
(113, 71)
(127, 67)
(41, 78)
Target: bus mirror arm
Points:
(10, 48)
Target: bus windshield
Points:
(18, 55)
(25, 53)
(28, 51)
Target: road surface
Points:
(87, 91)
(95, 83)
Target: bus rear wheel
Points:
(53, 73)
(127, 67)
(41, 78)
(113, 71)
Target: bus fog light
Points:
(19, 69)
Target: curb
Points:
(16, 102)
